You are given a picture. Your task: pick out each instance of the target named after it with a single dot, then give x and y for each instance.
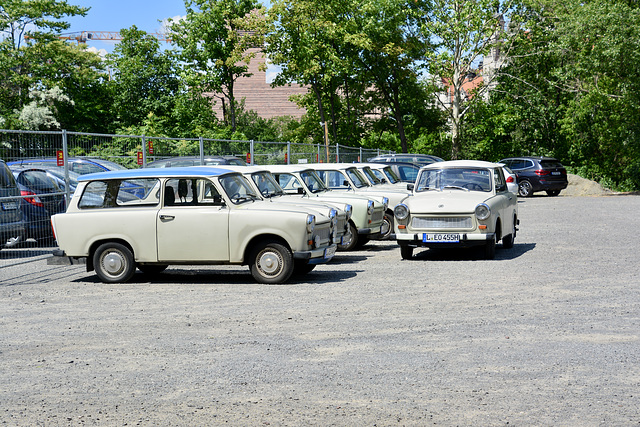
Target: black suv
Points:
(195, 161)
(538, 174)
(418, 159)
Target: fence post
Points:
(288, 153)
(144, 151)
(361, 159)
(251, 152)
(337, 153)
(201, 142)
(65, 157)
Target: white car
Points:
(460, 203)
(368, 210)
(190, 215)
(346, 177)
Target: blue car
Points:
(42, 198)
(78, 165)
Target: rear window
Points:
(38, 180)
(550, 164)
(118, 193)
(6, 177)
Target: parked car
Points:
(417, 159)
(265, 184)
(42, 199)
(79, 165)
(12, 227)
(538, 174)
(381, 174)
(460, 203)
(511, 177)
(195, 161)
(347, 178)
(220, 220)
(368, 210)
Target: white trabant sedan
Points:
(459, 203)
(194, 215)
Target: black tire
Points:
(507, 241)
(354, 239)
(114, 263)
(301, 268)
(406, 252)
(525, 189)
(387, 225)
(489, 249)
(271, 262)
(553, 193)
(152, 268)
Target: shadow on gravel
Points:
(347, 259)
(472, 254)
(180, 276)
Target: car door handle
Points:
(167, 217)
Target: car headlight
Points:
(370, 207)
(401, 211)
(349, 210)
(311, 223)
(385, 202)
(333, 216)
(483, 211)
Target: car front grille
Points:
(441, 223)
(324, 233)
(342, 222)
(377, 216)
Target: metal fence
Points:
(54, 149)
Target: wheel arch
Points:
(262, 239)
(97, 243)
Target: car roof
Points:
(462, 163)
(188, 171)
(529, 158)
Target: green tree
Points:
(144, 78)
(214, 42)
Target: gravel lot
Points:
(546, 334)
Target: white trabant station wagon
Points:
(195, 215)
(457, 204)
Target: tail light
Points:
(542, 172)
(510, 179)
(35, 201)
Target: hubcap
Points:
(113, 263)
(269, 263)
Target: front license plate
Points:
(330, 252)
(8, 206)
(440, 238)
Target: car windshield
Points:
(313, 182)
(238, 188)
(464, 179)
(391, 175)
(267, 184)
(373, 179)
(358, 180)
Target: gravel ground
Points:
(547, 334)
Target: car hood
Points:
(446, 201)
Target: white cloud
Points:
(101, 52)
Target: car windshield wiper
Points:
(456, 187)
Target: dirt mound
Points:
(579, 186)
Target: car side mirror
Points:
(345, 183)
(300, 190)
(410, 187)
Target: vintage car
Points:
(191, 215)
(265, 184)
(368, 210)
(459, 203)
(348, 178)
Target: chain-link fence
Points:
(29, 197)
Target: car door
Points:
(504, 201)
(193, 222)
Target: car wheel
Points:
(406, 252)
(152, 268)
(354, 239)
(300, 268)
(507, 241)
(525, 189)
(489, 249)
(387, 225)
(114, 263)
(271, 263)
(553, 193)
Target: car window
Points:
(472, 179)
(117, 193)
(313, 182)
(38, 181)
(550, 164)
(499, 181)
(334, 179)
(371, 175)
(85, 168)
(389, 174)
(6, 177)
(238, 189)
(408, 173)
(190, 192)
(358, 179)
(266, 184)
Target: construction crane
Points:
(84, 36)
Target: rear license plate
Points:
(8, 206)
(440, 238)
(330, 252)
(555, 173)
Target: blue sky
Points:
(113, 15)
